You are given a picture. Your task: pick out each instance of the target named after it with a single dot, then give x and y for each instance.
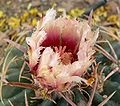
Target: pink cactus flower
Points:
(60, 51)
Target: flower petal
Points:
(50, 16)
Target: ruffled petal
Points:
(50, 16)
(60, 51)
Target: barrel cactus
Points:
(60, 64)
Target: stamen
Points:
(56, 49)
(63, 50)
(60, 49)
(65, 57)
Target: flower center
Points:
(66, 57)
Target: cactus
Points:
(22, 83)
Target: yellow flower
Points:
(115, 19)
(34, 21)
(76, 12)
(25, 17)
(14, 22)
(34, 11)
(99, 14)
(1, 14)
(2, 22)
